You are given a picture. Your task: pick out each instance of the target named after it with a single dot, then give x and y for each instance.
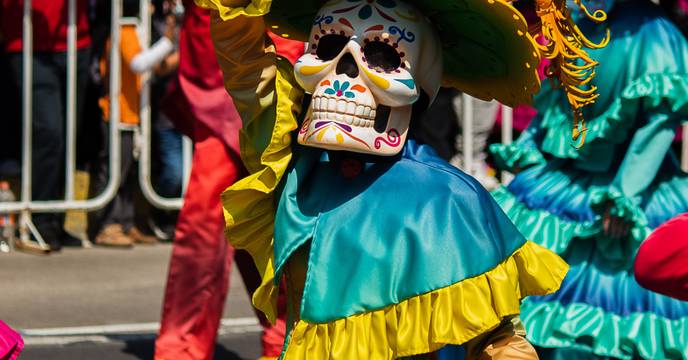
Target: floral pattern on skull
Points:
(366, 64)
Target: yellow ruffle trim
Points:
(249, 204)
(229, 9)
(425, 323)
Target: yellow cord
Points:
(564, 48)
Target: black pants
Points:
(49, 125)
(121, 209)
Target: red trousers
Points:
(661, 264)
(198, 276)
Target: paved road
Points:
(229, 347)
(103, 288)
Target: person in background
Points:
(117, 220)
(10, 137)
(446, 137)
(484, 118)
(199, 271)
(167, 140)
(597, 203)
(49, 19)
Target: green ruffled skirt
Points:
(600, 308)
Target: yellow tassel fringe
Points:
(564, 48)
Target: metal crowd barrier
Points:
(145, 115)
(26, 206)
(467, 128)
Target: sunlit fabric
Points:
(404, 257)
(423, 323)
(627, 168)
(405, 227)
(249, 204)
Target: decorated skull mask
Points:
(366, 64)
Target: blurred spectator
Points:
(167, 140)
(88, 156)
(49, 86)
(439, 124)
(441, 128)
(118, 227)
(484, 117)
(10, 137)
(201, 261)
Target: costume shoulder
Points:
(415, 225)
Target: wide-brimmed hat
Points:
(488, 52)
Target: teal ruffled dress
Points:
(627, 166)
(402, 227)
(404, 256)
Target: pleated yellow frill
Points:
(425, 323)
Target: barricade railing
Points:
(145, 182)
(507, 136)
(467, 119)
(26, 205)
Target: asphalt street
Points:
(229, 347)
(105, 304)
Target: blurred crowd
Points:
(128, 219)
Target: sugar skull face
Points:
(367, 63)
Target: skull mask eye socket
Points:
(330, 46)
(382, 56)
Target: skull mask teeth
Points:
(366, 64)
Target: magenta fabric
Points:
(11, 343)
(523, 114)
(682, 5)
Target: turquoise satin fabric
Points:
(642, 71)
(627, 166)
(399, 229)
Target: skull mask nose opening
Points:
(347, 65)
(382, 118)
